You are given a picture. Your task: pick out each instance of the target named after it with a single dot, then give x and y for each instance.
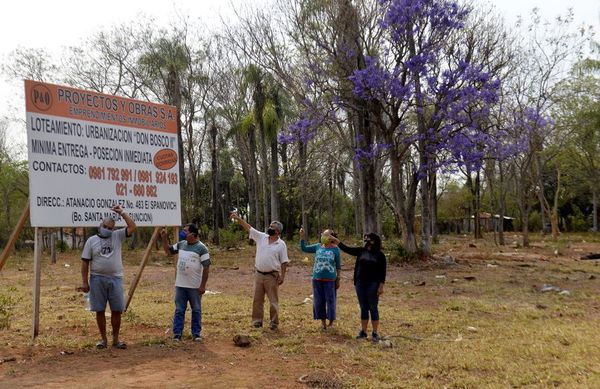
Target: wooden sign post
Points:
(142, 266)
(14, 235)
(37, 269)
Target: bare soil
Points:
(294, 356)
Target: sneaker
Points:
(177, 338)
(361, 335)
(375, 338)
(273, 327)
(257, 324)
(196, 338)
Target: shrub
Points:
(230, 237)
(397, 254)
(577, 221)
(6, 304)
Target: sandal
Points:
(120, 345)
(101, 344)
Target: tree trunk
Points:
(331, 191)
(368, 184)
(7, 210)
(502, 203)
(477, 205)
(525, 227)
(52, 246)
(357, 205)
(274, 174)
(193, 163)
(264, 179)
(368, 197)
(243, 147)
(174, 93)
(215, 184)
(303, 210)
(425, 208)
(554, 212)
(434, 204)
(524, 206)
(402, 212)
(594, 211)
(424, 157)
(254, 176)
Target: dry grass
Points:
(497, 330)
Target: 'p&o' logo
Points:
(41, 97)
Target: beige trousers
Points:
(265, 284)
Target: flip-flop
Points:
(101, 344)
(120, 345)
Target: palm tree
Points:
(267, 113)
(163, 64)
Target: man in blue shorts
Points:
(102, 258)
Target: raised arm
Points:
(131, 226)
(355, 251)
(307, 249)
(241, 221)
(165, 243)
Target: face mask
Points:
(271, 231)
(324, 239)
(105, 232)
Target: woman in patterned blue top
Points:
(325, 277)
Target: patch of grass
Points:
(6, 305)
(291, 344)
(154, 341)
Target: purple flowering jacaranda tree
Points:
(435, 99)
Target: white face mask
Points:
(105, 232)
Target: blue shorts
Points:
(106, 288)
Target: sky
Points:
(53, 25)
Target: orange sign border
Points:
(58, 100)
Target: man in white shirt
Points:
(271, 264)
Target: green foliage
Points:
(165, 56)
(61, 245)
(577, 221)
(396, 253)
(535, 221)
(247, 123)
(271, 121)
(13, 191)
(454, 202)
(204, 231)
(6, 305)
(232, 235)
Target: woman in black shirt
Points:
(369, 277)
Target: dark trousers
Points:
(324, 300)
(367, 299)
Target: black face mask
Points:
(271, 231)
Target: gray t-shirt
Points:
(104, 254)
